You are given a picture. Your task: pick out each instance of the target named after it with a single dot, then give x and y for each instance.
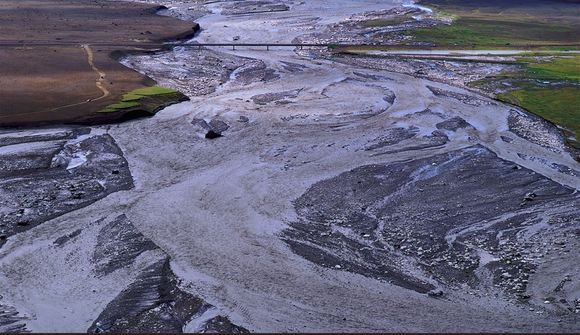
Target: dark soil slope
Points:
(55, 56)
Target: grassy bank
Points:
(560, 68)
(546, 86)
(550, 89)
(558, 105)
(504, 24)
(148, 99)
(548, 81)
(385, 22)
(477, 33)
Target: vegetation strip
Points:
(147, 99)
(548, 82)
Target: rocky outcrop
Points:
(10, 320)
(461, 218)
(154, 302)
(119, 243)
(54, 175)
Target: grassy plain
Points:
(504, 24)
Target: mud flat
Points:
(57, 57)
(337, 197)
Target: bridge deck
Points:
(11, 43)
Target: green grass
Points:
(575, 47)
(556, 99)
(147, 91)
(121, 105)
(558, 105)
(384, 22)
(492, 34)
(457, 35)
(504, 23)
(550, 89)
(561, 68)
(147, 99)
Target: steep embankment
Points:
(43, 55)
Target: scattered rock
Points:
(453, 124)
(218, 126)
(212, 135)
(507, 139)
(211, 130)
(44, 192)
(479, 188)
(435, 293)
(266, 98)
(119, 243)
(221, 324)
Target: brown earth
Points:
(56, 56)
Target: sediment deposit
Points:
(337, 197)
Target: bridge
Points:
(233, 45)
(267, 46)
(262, 45)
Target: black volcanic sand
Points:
(154, 302)
(44, 68)
(59, 171)
(42, 181)
(456, 219)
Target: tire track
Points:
(100, 74)
(99, 82)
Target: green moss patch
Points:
(147, 99)
(147, 92)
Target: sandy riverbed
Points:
(268, 224)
